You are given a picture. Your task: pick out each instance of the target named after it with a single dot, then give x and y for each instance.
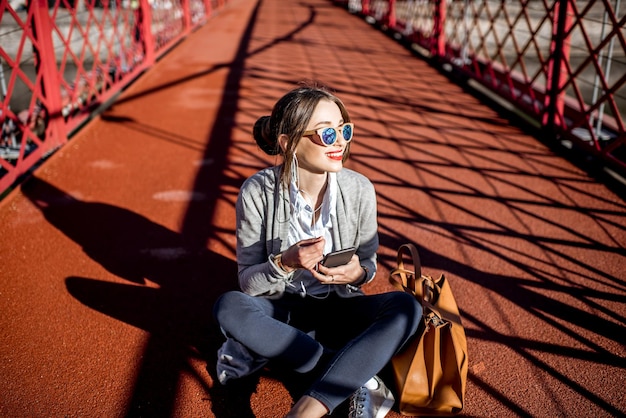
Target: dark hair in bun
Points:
(264, 139)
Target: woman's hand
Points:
(345, 274)
(305, 254)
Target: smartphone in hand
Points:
(338, 258)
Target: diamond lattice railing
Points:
(95, 47)
(510, 47)
(505, 45)
(415, 19)
(563, 62)
(595, 81)
(198, 11)
(167, 22)
(61, 59)
(23, 116)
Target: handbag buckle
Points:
(434, 320)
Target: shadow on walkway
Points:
(534, 248)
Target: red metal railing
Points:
(562, 62)
(62, 59)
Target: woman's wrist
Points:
(278, 261)
(355, 286)
(363, 279)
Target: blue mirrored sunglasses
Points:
(329, 135)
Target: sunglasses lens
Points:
(347, 132)
(328, 136)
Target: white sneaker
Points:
(373, 400)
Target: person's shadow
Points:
(172, 287)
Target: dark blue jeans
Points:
(346, 340)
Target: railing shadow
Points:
(464, 197)
(169, 286)
(467, 188)
(173, 279)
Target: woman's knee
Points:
(409, 307)
(226, 304)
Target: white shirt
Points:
(301, 227)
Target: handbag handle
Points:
(427, 292)
(408, 278)
(414, 256)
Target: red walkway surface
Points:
(114, 250)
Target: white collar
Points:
(302, 213)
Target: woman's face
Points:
(312, 155)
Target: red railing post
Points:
(186, 14)
(438, 43)
(391, 14)
(145, 22)
(557, 75)
(48, 75)
(208, 6)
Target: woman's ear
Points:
(282, 142)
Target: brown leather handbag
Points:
(431, 369)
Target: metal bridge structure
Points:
(492, 131)
(560, 62)
(62, 60)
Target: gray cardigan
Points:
(263, 226)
